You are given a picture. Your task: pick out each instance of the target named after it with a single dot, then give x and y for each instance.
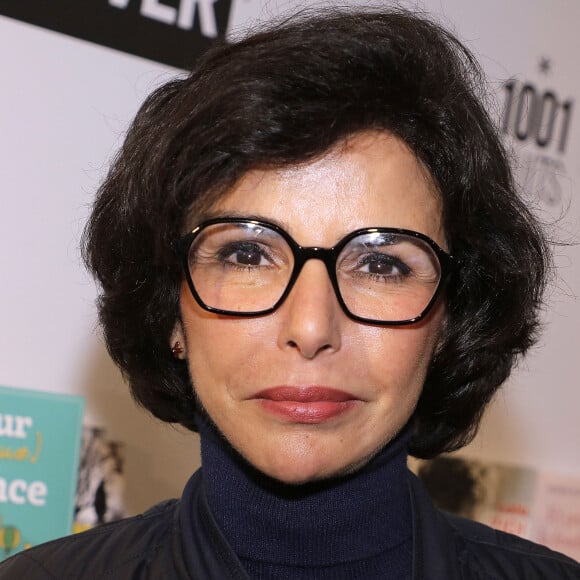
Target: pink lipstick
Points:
(305, 404)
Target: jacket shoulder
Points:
(497, 555)
(115, 550)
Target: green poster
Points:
(40, 436)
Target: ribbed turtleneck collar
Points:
(358, 524)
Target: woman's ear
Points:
(177, 341)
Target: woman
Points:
(311, 251)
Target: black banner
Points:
(173, 32)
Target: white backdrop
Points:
(64, 106)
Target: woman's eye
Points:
(383, 265)
(243, 254)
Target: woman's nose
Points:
(311, 315)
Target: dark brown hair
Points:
(283, 96)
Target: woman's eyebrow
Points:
(213, 214)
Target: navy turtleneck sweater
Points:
(355, 527)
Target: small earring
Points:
(176, 349)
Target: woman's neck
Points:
(354, 524)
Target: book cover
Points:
(556, 521)
(541, 506)
(40, 436)
(501, 496)
(100, 497)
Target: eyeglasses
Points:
(246, 267)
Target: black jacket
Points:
(151, 546)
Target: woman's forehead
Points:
(373, 179)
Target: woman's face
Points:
(308, 348)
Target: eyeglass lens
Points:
(246, 267)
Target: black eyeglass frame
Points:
(328, 256)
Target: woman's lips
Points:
(305, 404)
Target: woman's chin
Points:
(303, 459)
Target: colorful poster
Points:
(40, 435)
